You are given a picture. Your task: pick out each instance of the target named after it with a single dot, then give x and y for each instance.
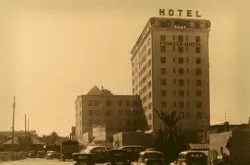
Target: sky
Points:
(51, 51)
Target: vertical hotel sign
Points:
(179, 13)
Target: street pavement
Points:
(37, 161)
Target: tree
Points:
(167, 139)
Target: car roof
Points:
(191, 151)
(130, 146)
(89, 148)
(150, 151)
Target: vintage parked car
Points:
(52, 155)
(99, 153)
(40, 154)
(83, 159)
(32, 154)
(191, 158)
(151, 157)
(117, 157)
(133, 151)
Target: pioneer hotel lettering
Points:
(179, 12)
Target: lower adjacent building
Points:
(99, 108)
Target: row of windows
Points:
(181, 60)
(181, 71)
(181, 93)
(181, 82)
(144, 68)
(144, 78)
(199, 115)
(109, 103)
(147, 86)
(180, 38)
(109, 112)
(181, 104)
(121, 122)
(180, 49)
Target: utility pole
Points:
(13, 126)
(28, 134)
(25, 134)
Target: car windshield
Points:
(152, 156)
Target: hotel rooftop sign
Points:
(179, 12)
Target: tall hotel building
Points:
(170, 70)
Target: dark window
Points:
(108, 103)
(149, 95)
(198, 93)
(163, 70)
(127, 102)
(163, 60)
(198, 60)
(181, 71)
(149, 106)
(149, 51)
(197, 38)
(108, 113)
(96, 102)
(180, 38)
(198, 71)
(163, 38)
(163, 93)
(181, 93)
(198, 82)
(163, 104)
(198, 104)
(90, 103)
(181, 104)
(120, 103)
(198, 49)
(181, 82)
(163, 49)
(180, 49)
(180, 60)
(163, 82)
